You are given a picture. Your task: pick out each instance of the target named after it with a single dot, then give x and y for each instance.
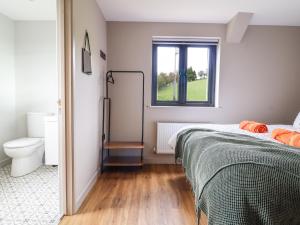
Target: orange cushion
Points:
(287, 137)
(253, 126)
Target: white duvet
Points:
(233, 128)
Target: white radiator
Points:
(164, 132)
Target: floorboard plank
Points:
(156, 194)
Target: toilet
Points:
(27, 153)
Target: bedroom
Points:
(156, 100)
(222, 66)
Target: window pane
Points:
(167, 73)
(197, 74)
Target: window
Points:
(183, 73)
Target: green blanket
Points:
(238, 179)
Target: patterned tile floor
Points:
(32, 199)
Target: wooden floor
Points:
(154, 195)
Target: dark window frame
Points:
(182, 84)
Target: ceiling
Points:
(266, 12)
(29, 9)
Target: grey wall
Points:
(259, 78)
(88, 94)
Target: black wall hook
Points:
(110, 78)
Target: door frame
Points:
(65, 102)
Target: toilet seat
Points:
(22, 147)
(23, 142)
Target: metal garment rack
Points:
(108, 145)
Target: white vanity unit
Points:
(51, 140)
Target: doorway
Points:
(34, 108)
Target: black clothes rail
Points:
(108, 145)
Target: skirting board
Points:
(158, 160)
(86, 191)
(5, 162)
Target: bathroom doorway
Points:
(32, 117)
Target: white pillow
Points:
(297, 121)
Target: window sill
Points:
(182, 107)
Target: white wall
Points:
(7, 84)
(35, 69)
(88, 94)
(28, 74)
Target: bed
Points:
(239, 177)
